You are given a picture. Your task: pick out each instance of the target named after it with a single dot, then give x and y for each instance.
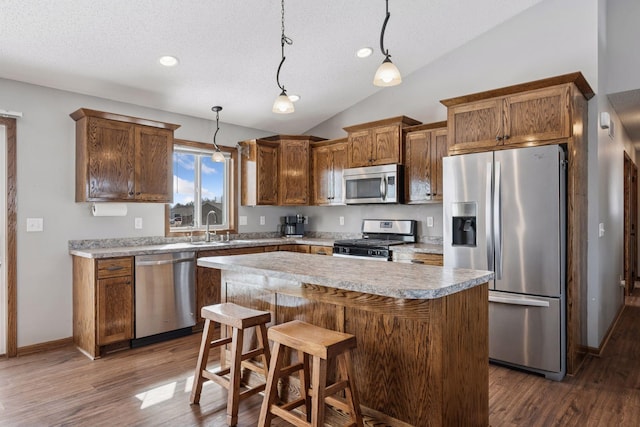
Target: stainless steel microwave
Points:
(373, 184)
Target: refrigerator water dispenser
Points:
(464, 224)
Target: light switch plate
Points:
(242, 219)
(35, 224)
(341, 220)
(262, 220)
(429, 221)
(138, 223)
(601, 229)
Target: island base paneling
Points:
(419, 362)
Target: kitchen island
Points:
(422, 331)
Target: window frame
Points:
(232, 189)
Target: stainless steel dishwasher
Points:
(165, 297)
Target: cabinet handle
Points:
(417, 261)
(114, 268)
(498, 138)
(321, 253)
(131, 193)
(138, 193)
(506, 137)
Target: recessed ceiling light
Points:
(294, 98)
(364, 52)
(168, 60)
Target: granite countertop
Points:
(195, 246)
(389, 279)
(421, 248)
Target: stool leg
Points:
(271, 390)
(304, 382)
(319, 383)
(264, 343)
(203, 357)
(351, 392)
(233, 399)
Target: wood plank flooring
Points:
(151, 386)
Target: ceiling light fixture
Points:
(168, 60)
(364, 52)
(283, 104)
(387, 73)
(294, 98)
(217, 155)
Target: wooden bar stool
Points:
(322, 345)
(238, 318)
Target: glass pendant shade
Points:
(283, 104)
(217, 156)
(387, 74)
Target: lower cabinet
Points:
(102, 303)
(419, 258)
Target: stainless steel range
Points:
(378, 235)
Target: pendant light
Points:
(217, 155)
(387, 74)
(283, 104)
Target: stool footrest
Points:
(337, 403)
(252, 353)
(251, 391)
(288, 416)
(336, 387)
(219, 342)
(288, 370)
(292, 405)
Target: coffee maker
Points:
(292, 225)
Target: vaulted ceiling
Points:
(229, 50)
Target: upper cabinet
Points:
(275, 170)
(328, 160)
(531, 113)
(377, 143)
(425, 146)
(122, 158)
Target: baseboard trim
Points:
(597, 352)
(45, 346)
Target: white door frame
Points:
(3, 239)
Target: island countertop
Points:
(408, 281)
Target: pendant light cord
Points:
(384, 27)
(217, 129)
(283, 40)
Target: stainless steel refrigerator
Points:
(504, 211)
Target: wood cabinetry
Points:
(294, 248)
(102, 303)
(122, 158)
(321, 250)
(530, 114)
(547, 111)
(425, 146)
(377, 143)
(328, 160)
(208, 279)
(418, 258)
(275, 170)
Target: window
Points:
(201, 188)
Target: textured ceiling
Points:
(229, 50)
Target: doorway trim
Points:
(12, 215)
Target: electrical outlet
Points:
(601, 229)
(429, 221)
(262, 220)
(137, 223)
(341, 220)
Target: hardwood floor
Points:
(151, 386)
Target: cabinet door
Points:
(339, 161)
(386, 145)
(417, 170)
(475, 125)
(438, 151)
(320, 250)
(321, 175)
(110, 156)
(294, 172)
(419, 258)
(267, 174)
(360, 143)
(153, 164)
(115, 309)
(538, 115)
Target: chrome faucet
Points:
(207, 234)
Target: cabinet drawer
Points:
(419, 258)
(321, 250)
(115, 267)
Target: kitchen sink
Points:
(209, 243)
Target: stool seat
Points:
(315, 346)
(237, 318)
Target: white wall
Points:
(3, 237)
(622, 54)
(46, 179)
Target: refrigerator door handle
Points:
(497, 221)
(518, 301)
(488, 216)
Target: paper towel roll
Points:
(108, 209)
